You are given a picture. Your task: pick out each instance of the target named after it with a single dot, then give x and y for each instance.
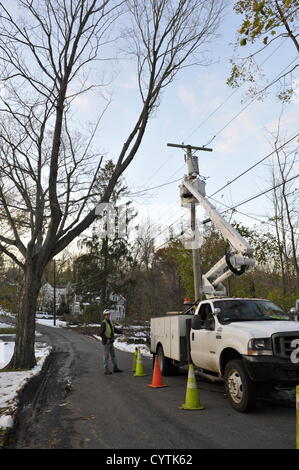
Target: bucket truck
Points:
(251, 344)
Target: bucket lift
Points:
(239, 258)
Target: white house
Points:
(118, 311)
(46, 296)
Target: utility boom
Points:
(240, 256)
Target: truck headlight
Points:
(260, 347)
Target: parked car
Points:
(43, 315)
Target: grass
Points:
(7, 331)
(3, 432)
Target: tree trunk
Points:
(104, 287)
(24, 354)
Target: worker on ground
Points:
(107, 334)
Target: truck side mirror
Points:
(294, 313)
(209, 324)
(196, 322)
(216, 311)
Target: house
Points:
(117, 307)
(46, 296)
(118, 311)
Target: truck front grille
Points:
(282, 344)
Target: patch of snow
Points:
(59, 323)
(6, 421)
(12, 382)
(130, 348)
(6, 325)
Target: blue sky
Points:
(188, 113)
(183, 116)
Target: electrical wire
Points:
(249, 199)
(254, 165)
(235, 91)
(250, 102)
(154, 187)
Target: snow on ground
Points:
(6, 325)
(123, 346)
(12, 382)
(59, 323)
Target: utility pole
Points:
(196, 258)
(193, 173)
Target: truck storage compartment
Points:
(170, 332)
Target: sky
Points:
(199, 109)
(195, 108)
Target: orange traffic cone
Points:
(157, 377)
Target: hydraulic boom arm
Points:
(240, 256)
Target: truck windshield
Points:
(249, 310)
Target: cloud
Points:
(189, 100)
(128, 82)
(237, 134)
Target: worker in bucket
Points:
(107, 334)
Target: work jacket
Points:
(107, 330)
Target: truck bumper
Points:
(271, 369)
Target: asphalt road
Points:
(73, 405)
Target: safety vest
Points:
(109, 330)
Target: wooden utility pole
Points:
(193, 172)
(196, 258)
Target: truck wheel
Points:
(239, 387)
(166, 367)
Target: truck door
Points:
(203, 341)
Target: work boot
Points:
(107, 372)
(116, 369)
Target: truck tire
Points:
(239, 387)
(166, 366)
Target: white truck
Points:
(249, 343)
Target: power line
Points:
(154, 187)
(262, 222)
(228, 123)
(250, 102)
(262, 193)
(239, 176)
(254, 165)
(235, 91)
(247, 200)
(221, 130)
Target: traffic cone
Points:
(157, 377)
(135, 359)
(139, 366)
(192, 401)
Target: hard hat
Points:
(107, 311)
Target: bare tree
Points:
(285, 204)
(44, 58)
